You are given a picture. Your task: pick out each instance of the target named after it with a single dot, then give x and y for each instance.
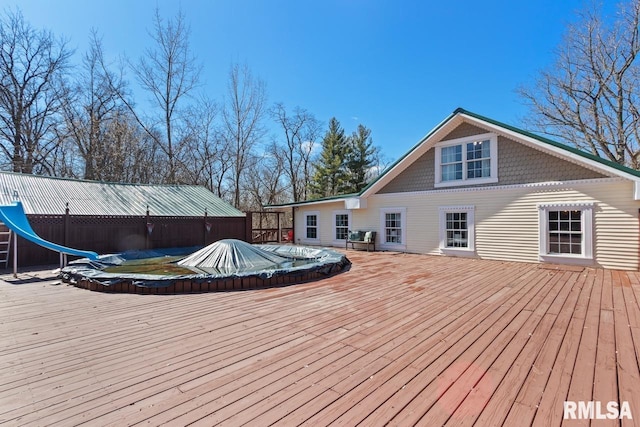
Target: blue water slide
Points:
(14, 217)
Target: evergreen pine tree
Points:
(331, 175)
(359, 159)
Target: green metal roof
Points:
(47, 195)
(569, 149)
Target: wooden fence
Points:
(271, 227)
(106, 234)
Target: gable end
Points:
(517, 164)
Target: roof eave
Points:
(331, 199)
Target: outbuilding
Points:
(112, 217)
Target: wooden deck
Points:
(400, 339)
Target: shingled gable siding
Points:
(465, 130)
(517, 164)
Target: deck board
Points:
(399, 339)
(627, 360)
(550, 408)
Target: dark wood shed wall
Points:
(117, 234)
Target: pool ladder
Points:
(5, 244)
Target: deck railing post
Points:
(293, 225)
(248, 227)
(206, 231)
(279, 227)
(66, 225)
(146, 229)
(15, 255)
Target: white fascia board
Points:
(303, 204)
(636, 190)
(355, 203)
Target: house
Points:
(111, 217)
(475, 187)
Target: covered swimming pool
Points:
(222, 266)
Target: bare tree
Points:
(170, 74)
(65, 161)
(93, 104)
(219, 168)
(590, 97)
(242, 117)
(32, 67)
(136, 157)
(206, 146)
(264, 184)
(380, 163)
(300, 132)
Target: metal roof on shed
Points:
(46, 195)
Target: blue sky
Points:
(398, 67)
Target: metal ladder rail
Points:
(5, 244)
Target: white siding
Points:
(506, 219)
(325, 222)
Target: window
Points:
(457, 229)
(341, 223)
(312, 227)
(566, 231)
(393, 227)
(311, 223)
(479, 159)
(467, 161)
(342, 226)
(393, 224)
(451, 161)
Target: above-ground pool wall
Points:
(117, 234)
(203, 285)
(507, 225)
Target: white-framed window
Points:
(341, 225)
(451, 163)
(312, 226)
(566, 232)
(393, 228)
(457, 229)
(464, 161)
